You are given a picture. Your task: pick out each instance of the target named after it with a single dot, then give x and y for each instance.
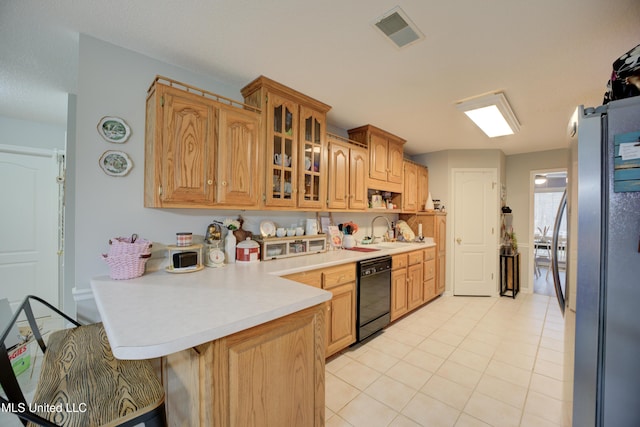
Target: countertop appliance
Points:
(374, 296)
(607, 336)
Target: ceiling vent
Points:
(397, 27)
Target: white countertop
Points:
(161, 313)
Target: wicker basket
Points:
(126, 266)
(128, 246)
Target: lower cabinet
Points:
(413, 281)
(341, 309)
(272, 374)
(398, 290)
(429, 290)
(434, 224)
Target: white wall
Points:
(440, 164)
(27, 133)
(113, 82)
(519, 199)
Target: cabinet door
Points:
(423, 187)
(358, 173)
(398, 293)
(312, 180)
(186, 176)
(409, 195)
(282, 152)
(238, 150)
(441, 245)
(395, 162)
(378, 157)
(441, 233)
(341, 325)
(440, 274)
(429, 283)
(270, 375)
(339, 180)
(414, 277)
(429, 290)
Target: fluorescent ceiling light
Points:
(491, 113)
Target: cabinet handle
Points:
(210, 182)
(224, 183)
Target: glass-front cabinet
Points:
(282, 150)
(295, 146)
(312, 163)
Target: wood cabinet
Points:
(201, 150)
(423, 186)
(434, 224)
(181, 129)
(406, 283)
(272, 374)
(294, 128)
(348, 172)
(341, 309)
(238, 164)
(399, 286)
(410, 191)
(415, 279)
(440, 237)
(415, 187)
(386, 154)
(429, 275)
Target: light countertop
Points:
(161, 313)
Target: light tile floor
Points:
(459, 361)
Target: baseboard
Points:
(86, 308)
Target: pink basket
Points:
(128, 246)
(126, 266)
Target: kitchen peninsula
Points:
(234, 344)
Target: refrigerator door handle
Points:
(554, 253)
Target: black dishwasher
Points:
(374, 296)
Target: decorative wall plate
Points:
(114, 129)
(115, 163)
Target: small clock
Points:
(213, 255)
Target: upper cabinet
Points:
(386, 154)
(295, 161)
(201, 150)
(179, 148)
(238, 174)
(348, 173)
(416, 187)
(423, 186)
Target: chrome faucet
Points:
(389, 226)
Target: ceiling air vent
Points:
(396, 25)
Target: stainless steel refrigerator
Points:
(603, 277)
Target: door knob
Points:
(459, 240)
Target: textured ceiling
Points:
(548, 56)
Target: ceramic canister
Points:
(184, 239)
(248, 251)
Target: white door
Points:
(29, 225)
(475, 219)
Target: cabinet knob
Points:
(224, 183)
(459, 240)
(210, 181)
